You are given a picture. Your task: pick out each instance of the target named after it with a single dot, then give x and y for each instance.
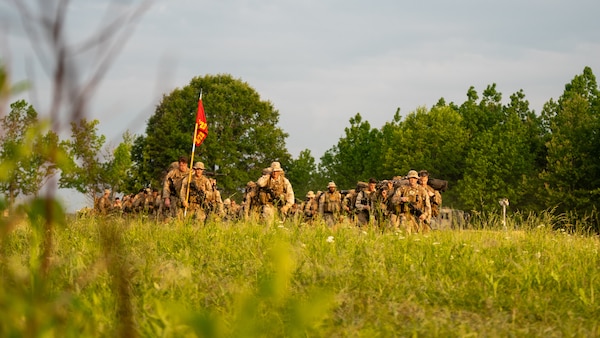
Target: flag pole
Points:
(187, 190)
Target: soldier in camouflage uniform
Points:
(310, 207)
(411, 205)
(435, 198)
(348, 202)
(250, 204)
(104, 204)
(198, 192)
(232, 210)
(275, 192)
(172, 188)
(215, 201)
(365, 204)
(330, 204)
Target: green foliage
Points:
(118, 166)
(433, 140)
(29, 153)
(85, 172)
(117, 277)
(572, 176)
(302, 174)
(243, 136)
(356, 157)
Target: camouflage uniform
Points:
(172, 188)
(310, 207)
(411, 207)
(330, 204)
(232, 210)
(215, 202)
(348, 202)
(275, 192)
(366, 203)
(435, 198)
(104, 204)
(200, 193)
(251, 204)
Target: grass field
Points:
(107, 278)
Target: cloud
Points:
(321, 62)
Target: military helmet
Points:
(310, 194)
(412, 174)
(276, 166)
(331, 184)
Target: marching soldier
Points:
(200, 193)
(275, 192)
(310, 207)
(411, 204)
(365, 203)
(330, 204)
(172, 188)
(250, 204)
(104, 204)
(435, 198)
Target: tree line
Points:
(485, 149)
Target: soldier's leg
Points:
(362, 218)
(268, 213)
(394, 222)
(328, 217)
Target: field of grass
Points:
(115, 277)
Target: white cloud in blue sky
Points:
(321, 62)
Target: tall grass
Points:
(116, 277)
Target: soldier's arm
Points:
(263, 181)
(427, 211)
(183, 192)
(358, 205)
(289, 194)
(166, 186)
(321, 207)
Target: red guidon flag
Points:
(201, 125)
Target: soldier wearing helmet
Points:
(275, 192)
(172, 187)
(198, 192)
(310, 207)
(411, 206)
(330, 204)
(366, 202)
(435, 198)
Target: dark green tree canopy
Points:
(243, 136)
(356, 157)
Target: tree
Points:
(243, 136)
(356, 157)
(84, 173)
(572, 176)
(25, 152)
(501, 155)
(433, 140)
(117, 168)
(302, 173)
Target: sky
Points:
(321, 62)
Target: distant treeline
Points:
(487, 150)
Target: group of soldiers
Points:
(410, 203)
(182, 194)
(407, 203)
